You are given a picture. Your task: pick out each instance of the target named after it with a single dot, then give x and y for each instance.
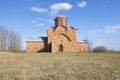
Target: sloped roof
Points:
(44, 39)
(73, 27)
(38, 39)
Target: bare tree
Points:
(17, 43)
(14, 42)
(3, 39)
(9, 40)
(89, 45)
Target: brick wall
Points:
(35, 47)
(61, 34)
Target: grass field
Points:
(61, 66)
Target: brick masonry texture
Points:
(60, 38)
(35, 47)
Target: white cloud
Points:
(41, 24)
(112, 29)
(33, 21)
(55, 8)
(39, 10)
(82, 4)
(107, 29)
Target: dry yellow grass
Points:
(61, 66)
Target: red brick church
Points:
(60, 38)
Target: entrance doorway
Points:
(60, 47)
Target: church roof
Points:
(38, 39)
(61, 16)
(74, 27)
(44, 39)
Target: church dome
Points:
(61, 16)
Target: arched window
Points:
(61, 23)
(60, 47)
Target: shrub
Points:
(100, 49)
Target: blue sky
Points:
(97, 20)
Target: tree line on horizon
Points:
(9, 40)
(99, 48)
